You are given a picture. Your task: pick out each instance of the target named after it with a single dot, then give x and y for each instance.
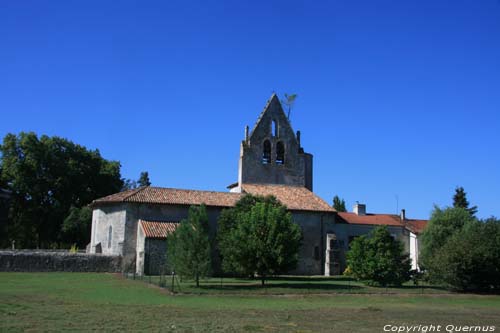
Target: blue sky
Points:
(396, 99)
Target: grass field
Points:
(283, 285)
(105, 302)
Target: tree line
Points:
(257, 238)
(48, 183)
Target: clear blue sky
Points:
(396, 98)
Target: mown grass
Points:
(105, 302)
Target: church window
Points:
(274, 128)
(280, 153)
(266, 154)
(110, 233)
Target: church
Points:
(134, 224)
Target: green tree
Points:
(470, 258)
(77, 226)
(189, 250)
(46, 176)
(129, 184)
(379, 259)
(144, 179)
(339, 204)
(258, 236)
(441, 226)
(460, 201)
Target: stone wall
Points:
(46, 261)
(296, 169)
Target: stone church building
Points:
(135, 223)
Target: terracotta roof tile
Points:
(159, 195)
(156, 229)
(294, 197)
(416, 226)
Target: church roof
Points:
(416, 226)
(294, 197)
(161, 195)
(156, 229)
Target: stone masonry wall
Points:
(45, 261)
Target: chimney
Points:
(246, 133)
(298, 137)
(403, 215)
(359, 209)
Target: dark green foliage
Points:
(339, 204)
(470, 259)
(379, 259)
(460, 201)
(129, 184)
(461, 252)
(144, 179)
(46, 177)
(189, 251)
(441, 226)
(77, 226)
(259, 237)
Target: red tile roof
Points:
(156, 229)
(416, 226)
(294, 197)
(160, 195)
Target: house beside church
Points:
(135, 223)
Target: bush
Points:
(470, 258)
(443, 224)
(379, 259)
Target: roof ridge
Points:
(135, 191)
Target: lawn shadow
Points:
(272, 285)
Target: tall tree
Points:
(460, 201)
(189, 251)
(443, 224)
(289, 101)
(339, 204)
(470, 258)
(259, 237)
(144, 179)
(379, 259)
(46, 177)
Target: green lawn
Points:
(283, 285)
(105, 302)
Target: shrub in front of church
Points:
(258, 237)
(379, 259)
(470, 258)
(188, 248)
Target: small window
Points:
(110, 234)
(274, 128)
(266, 153)
(280, 153)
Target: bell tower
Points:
(271, 153)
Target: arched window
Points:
(266, 153)
(110, 234)
(280, 153)
(274, 128)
